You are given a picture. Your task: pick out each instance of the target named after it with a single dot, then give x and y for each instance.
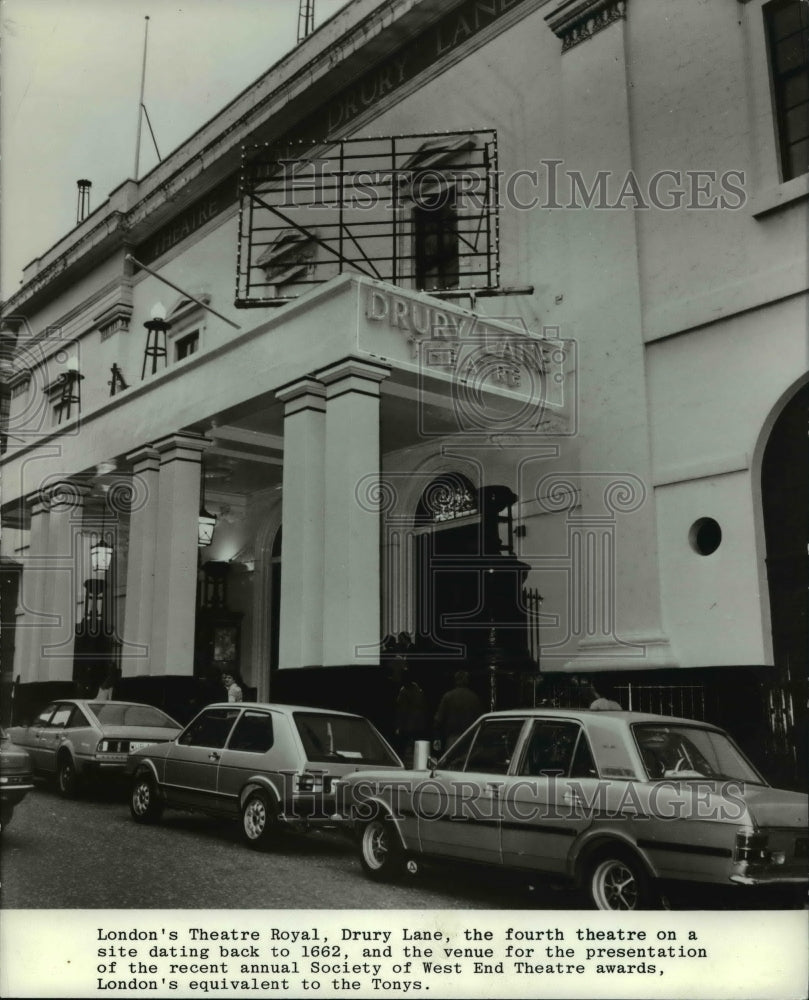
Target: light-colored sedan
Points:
(616, 802)
(269, 765)
(75, 739)
(16, 778)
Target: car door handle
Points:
(494, 789)
(214, 755)
(571, 798)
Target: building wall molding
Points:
(575, 21)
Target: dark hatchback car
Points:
(16, 777)
(271, 765)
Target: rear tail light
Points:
(751, 847)
(113, 746)
(313, 782)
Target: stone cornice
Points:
(574, 21)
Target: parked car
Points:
(73, 739)
(16, 777)
(270, 765)
(616, 802)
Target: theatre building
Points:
(472, 330)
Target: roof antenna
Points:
(306, 19)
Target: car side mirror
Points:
(432, 763)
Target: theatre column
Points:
(301, 637)
(32, 593)
(175, 564)
(140, 569)
(63, 584)
(351, 577)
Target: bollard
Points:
(421, 754)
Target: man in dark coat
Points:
(457, 710)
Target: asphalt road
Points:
(88, 853)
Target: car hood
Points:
(13, 760)
(140, 733)
(777, 807)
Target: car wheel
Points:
(259, 820)
(67, 778)
(381, 853)
(6, 812)
(616, 880)
(144, 804)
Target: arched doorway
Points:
(470, 607)
(785, 503)
(447, 537)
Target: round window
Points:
(705, 536)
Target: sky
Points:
(69, 87)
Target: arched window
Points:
(447, 498)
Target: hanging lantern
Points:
(205, 526)
(206, 521)
(100, 555)
(101, 550)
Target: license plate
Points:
(138, 745)
(802, 847)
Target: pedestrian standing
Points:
(410, 717)
(457, 710)
(232, 688)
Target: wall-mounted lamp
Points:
(156, 328)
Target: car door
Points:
(32, 737)
(248, 751)
(53, 735)
(458, 806)
(549, 799)
(192, 761)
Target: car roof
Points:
(280, 706)
(101, 701)
(582, 714)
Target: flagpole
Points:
(140, 101)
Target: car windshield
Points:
(680, 752)
(109, 713)
(348, 738)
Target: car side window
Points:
(61, 716)
(584, 765)
(76, 718)
(455, 758)
(44, 716)
(551, 748)
(210, 729)
(494, 745)
(253, 733)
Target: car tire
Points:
(67, 777)
(617, 880)
(381, 853)
(144, 803)
(259, 820)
